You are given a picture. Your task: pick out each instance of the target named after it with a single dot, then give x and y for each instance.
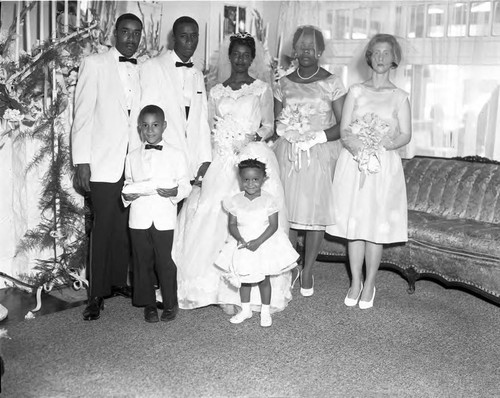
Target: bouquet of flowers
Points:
(231, 135)
(369, 130)
(295, 123)
(298, 124)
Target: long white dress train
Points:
(201, 229)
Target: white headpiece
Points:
(260, 68)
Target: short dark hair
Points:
(252, 164)
(127, 17)
(183, 20)
(244, 40)
(384, 38)
(320, 41)
(151, 110)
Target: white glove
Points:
(319, 138)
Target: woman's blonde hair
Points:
(383, 38)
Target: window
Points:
(399, 23)
(455, 109)
(377, 17)
(479, 18)
(436, 15)
(496, 19)
(416, 21)
(342, 24)
(457, 24)
(360, 23)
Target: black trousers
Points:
(152, 256)
(109, 239)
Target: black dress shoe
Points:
(124, 291)
(151, 314)
(169, 314)
(93, 309)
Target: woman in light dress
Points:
(370, 193)
(307, 173)
(241, 116)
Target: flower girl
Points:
(256, 248)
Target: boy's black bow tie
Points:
(186, 64)
(157, 147)
(125, 59)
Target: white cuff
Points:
(319, 138)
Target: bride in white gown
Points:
(241, 117)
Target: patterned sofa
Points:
(453, 226)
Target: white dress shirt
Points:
(165, 168)
(186, 77)
(129, 73)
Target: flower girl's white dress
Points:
(202, 228)
(275, 256)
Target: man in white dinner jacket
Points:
(107, 103)
(173, 83)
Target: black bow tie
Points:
(125, 59)
(157, 147)
(186, 64)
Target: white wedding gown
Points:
(202, 228)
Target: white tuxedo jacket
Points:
(165, 169)
(102, 128)
(160, 86)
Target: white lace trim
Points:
(257, 87)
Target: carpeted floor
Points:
(436, 343)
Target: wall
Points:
(208, 14)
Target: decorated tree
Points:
(36, 103)
(36, 96)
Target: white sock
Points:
(245, 308)
(264, 309)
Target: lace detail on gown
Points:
(257, 88)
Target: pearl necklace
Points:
(310, 77)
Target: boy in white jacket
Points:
(156, 180)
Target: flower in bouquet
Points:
(231, 135)
(370, 130)
(299, 125)
(296, 123)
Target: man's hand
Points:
(167, 193)
(82, 177)
(130, 197)
(201, 173)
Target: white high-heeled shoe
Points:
(364, 305)
(304, 292)
(351, 302)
